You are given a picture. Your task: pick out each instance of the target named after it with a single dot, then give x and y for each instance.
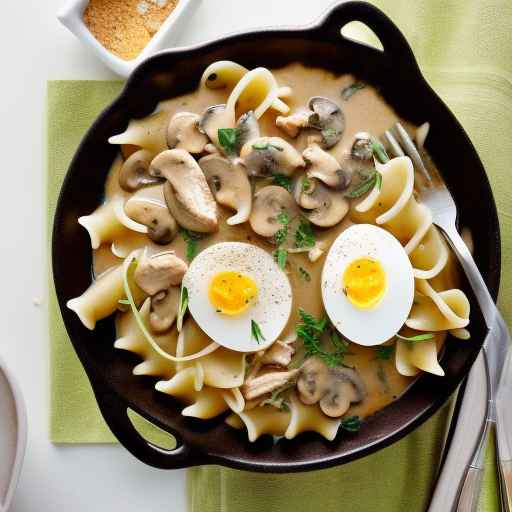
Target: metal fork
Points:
(437, 197)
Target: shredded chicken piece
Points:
(292, 124)
(280, 353)
(267, 383)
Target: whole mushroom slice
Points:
(164, 309)
(154, 214)
(214, 118)
(362, 147)
(183, 133)
(269, 202)
(134, 173)
(325, 167)
(158, 272)
(327, 117)
(334, 389)
(187, 194)
(326, 207)
(230, 186)
(266, 156)
(248, 129)
(313, 381)
(346, 387)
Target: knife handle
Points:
(505, 469)
(470, 493)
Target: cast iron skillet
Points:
(395, 73)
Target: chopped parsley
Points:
(191, 244)
(281, 255)
(306, 184)
(256, 332)
(348, 91)
(183, 307)
(228, 138)
(379, 151)
(351, 423)
(373, 180)
(310, 330)
(282, 181)
(384, 352)
(304, 274)
(266, 145)
(304, 235)
(418, 338)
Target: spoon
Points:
(13, 436)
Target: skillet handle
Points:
(115, 413)
(396, 47)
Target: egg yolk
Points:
(231, 292)
(364, 282)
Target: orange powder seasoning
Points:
(125, 27)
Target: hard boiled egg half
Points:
(367, 284)
(238, 296)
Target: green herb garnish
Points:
(124, 302)
(328, 133)
(304, 235)
(348, 91)
(281, 255)
(306, 184)
(384, 352)
(266, 145)
(310, 331)
(183, 307)
(373, 180)
(379, 151)
(256, 332)
(283, 217)
(382, 376)
(282, 181)
(416, 339)
(304, 274)
(228, 138)
(191, 244)
(351, 423)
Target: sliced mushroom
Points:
(162, 227)
(280, 353)
(333, 388)
(362, 146)
(183, 133)
(248, 129)
(186, 192)
(269, 202)
(327, 207)
(325, 167)
(267, 383)
(134, 173)
(213, 118)
(230, 186)
(159, 271)
(293, 123)
(346, 387)
(266, 156)
(314, 381)
(164, 309)
(327, 117)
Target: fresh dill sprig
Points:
(256, 332)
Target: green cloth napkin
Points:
(464, 49)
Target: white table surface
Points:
(35, 48)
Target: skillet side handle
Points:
(396, 47)
(115, 413)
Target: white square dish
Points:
(71, 16)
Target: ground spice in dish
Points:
(125, 27)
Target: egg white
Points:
(271, 309)
(380, 323)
